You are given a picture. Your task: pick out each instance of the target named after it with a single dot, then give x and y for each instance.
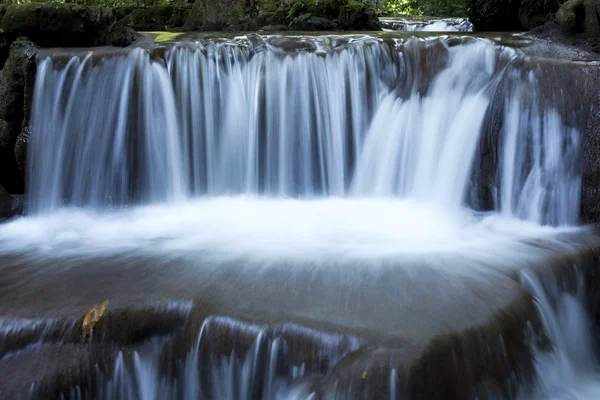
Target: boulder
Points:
(592, 17)
(571, 17)
(65, 25)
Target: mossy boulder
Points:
(51, 25)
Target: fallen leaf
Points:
(364, 375)
(92, 317)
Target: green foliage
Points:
(105, 3)
(437, 8)
(300, 14)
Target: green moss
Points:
(164, 36)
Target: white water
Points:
(355, 118)
(570, 371)
(255, 229)
(432, 25)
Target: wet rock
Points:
(10, 205)
(274, 28)
(12, 90)
(59, 24)
(16, 95)
(20, 151)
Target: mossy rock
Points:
(59, 24)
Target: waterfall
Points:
(569, 371)
(303, 118)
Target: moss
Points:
(164, 36)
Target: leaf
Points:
(92, 317)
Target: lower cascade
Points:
(304, 217)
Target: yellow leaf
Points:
(92, 317)
(364, 375)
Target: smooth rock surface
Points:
(342, 320)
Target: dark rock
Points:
(307, 22)
(357, 15)
(592, 17)
(12, 91)
(275, 28)
(59, 24)
(496, 15)
(5, 41)
(534, 13)
(16, 95)
(3, 8)
(309, 15)
(20, 151)
(179, 15)
(157, 18)
(5, 203)
(211, 15)
(10, 205)
(571, 17)
(121, 35)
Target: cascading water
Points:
(299, 150)
(355, 119)
(433, 25)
